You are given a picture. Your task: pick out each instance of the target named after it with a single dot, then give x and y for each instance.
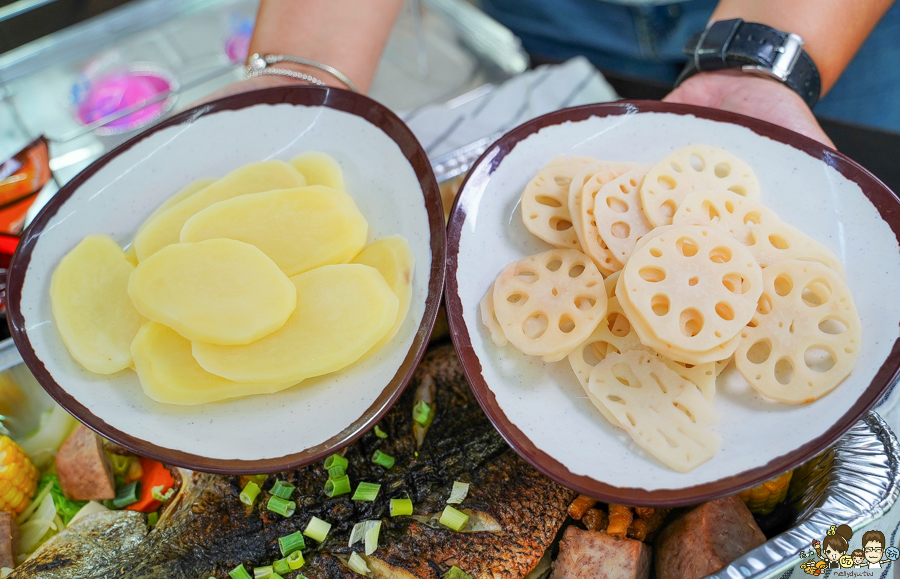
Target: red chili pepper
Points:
(155, 474)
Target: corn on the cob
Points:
(18, 477)
(762, 499)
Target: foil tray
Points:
(854, 482)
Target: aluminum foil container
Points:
(853, 483)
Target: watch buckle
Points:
(788, 54)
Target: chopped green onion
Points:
(295, 560)
(338, 486)
(453, 518)
(423, 413)
(249, 494)
(152, 518)
(372, 538)
(336, 472)
(366, 491)
(456, 573)
(158, 494)
(281, 506)
(459, 492)
(380, 433)
(259, 479)
(281, 566)
(401, 507)
(239, 572)
(275, 576)
(262, 572)
(360, 529)
(126, 495)
(290, 543)
(358, 564)
(383, 459)
(335, 460)
(317, 529)
(282, 489)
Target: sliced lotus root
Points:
(668, 350)
(618, 213)
(606, 171)
(805, 336)
(722, 364)
(695, 287)
(663, 413)
(549, 303)
(545, 202)
(613, 335)
(489, 319)
(703, 376)
(581, 206)
(776, 241)
(610, 283)
(689, 169)
(724, 210)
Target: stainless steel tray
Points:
(853, 483)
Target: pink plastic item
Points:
(116, 92)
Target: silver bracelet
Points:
(259, 65)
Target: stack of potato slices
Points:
(695, 272)
(243, 285)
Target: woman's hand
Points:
(754, 96)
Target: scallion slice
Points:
(360, 529)
(336, 472)
(459, 492)
(291, 543)
(126, 495)
(281, 566)
(380, 433)
(372, 538)
(152, 518)
(400, 507)
(336, 487)
(423, 413)
(295, 560)
(453, 518)
(281, 506)
(249, 494)
(262, 572)
(275, 576)
(282, 489)
(366, 491)
(456, 573)
(158, 494)
(317, 529)
(358, 564)
(259, 479)
(239, 572)
(383, 459)
(335, 460)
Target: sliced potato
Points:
(181, 195)
(342, 311)
(95, 317)
(300, 229)
(170, 374)
(220, 291)
(319, 169)
(165, 228)
(394, 260)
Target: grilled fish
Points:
(205, 530)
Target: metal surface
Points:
(853, 483)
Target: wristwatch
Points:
(756, 49)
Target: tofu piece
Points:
(596, 555)
(9, 539)
(705, 539)
(85, 473)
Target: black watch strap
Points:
(755, 48)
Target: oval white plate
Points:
(387, 174)
(540, 407)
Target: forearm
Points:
(833, 30)
(347, 34)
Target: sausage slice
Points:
(596, 555)
(85, 473)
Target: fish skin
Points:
(206, 530)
